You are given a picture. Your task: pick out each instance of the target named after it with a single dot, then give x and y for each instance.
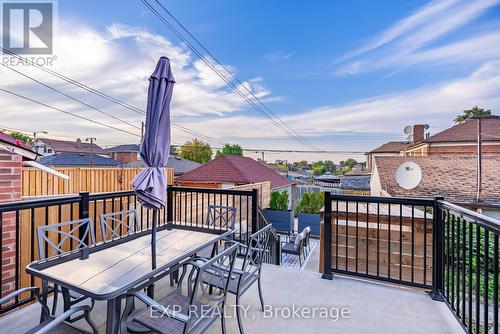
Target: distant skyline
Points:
(346, 76)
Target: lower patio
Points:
(369, 307)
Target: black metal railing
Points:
(273, 252)
(469, 271)
(427, 243)
(186, 208)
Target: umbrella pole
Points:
(151, 288)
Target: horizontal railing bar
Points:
(213, 191)
(479, 219)
(36, 203)
(384, 200)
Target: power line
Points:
(230, 73)
(68, 113)
(71, 97)
(104, 95)
(222, 76)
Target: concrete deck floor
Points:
(373, 307)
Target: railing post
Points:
(83, 212)
(255, 208)
(170, 206)
(437, 251)
(327, 239)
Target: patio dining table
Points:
(114, 268)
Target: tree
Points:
(22, 137)
(196, 150)
(472, 113)
(350, 163)
(229, 149)
(318, 169)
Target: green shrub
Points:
(310, 203)
(279, 200)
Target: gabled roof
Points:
(467, 131)
(235, 169)
(78, 160)
(179, 165)
(16, 146)
(453, 177)
(131, 148)
(392, 147)
(66, 146)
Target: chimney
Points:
(418, 133)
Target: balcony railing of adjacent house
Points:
(186, 207)
(426, 243)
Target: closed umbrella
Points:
(150, 185)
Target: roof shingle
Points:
(235, 169)
(392, 147)
(453, 177)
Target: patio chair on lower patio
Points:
(218, 217)
(68, 239)
(249, 272)
(307, 239)
(192, 307)
(50, 324)
(294, 247)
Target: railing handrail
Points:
(213, 190)
(34, 203)
(479, 219)
(383, 200)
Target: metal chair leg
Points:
(223, 319)
(54, 300)
(261, 297)
(238, 314)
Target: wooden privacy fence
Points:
(383, 238)
(36, 182)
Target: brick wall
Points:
(10, 190)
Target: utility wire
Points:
(71, 97)
(230, 73)
(105, 96)
(222, 76)
(69, 113)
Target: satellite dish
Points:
(426, 126)
(408, 130)
(408, 175)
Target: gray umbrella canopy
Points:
(150, 185)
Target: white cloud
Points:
(436, 105)
(117, 61)
(277, 56)
(413, 39)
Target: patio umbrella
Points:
(150, 185)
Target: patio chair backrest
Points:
(54, 239)
(256, 250)
(116, 225)
(219, 268)
(222, 216)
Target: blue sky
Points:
(348, 75)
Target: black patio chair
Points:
(49, 323)
(116, 225)
(191, 308)
(307, 240)
(250, 271)
(294, 247)
(218, 217)
(67, 234)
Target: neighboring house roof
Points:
(327, 177)
(78, 160)
(467, 131)
(235, 169)
(129, 148)
(453, 177)
(392, 147)
(357, 182)
(65, 146)
(179, 165)
(358, 172)
(16, 146)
